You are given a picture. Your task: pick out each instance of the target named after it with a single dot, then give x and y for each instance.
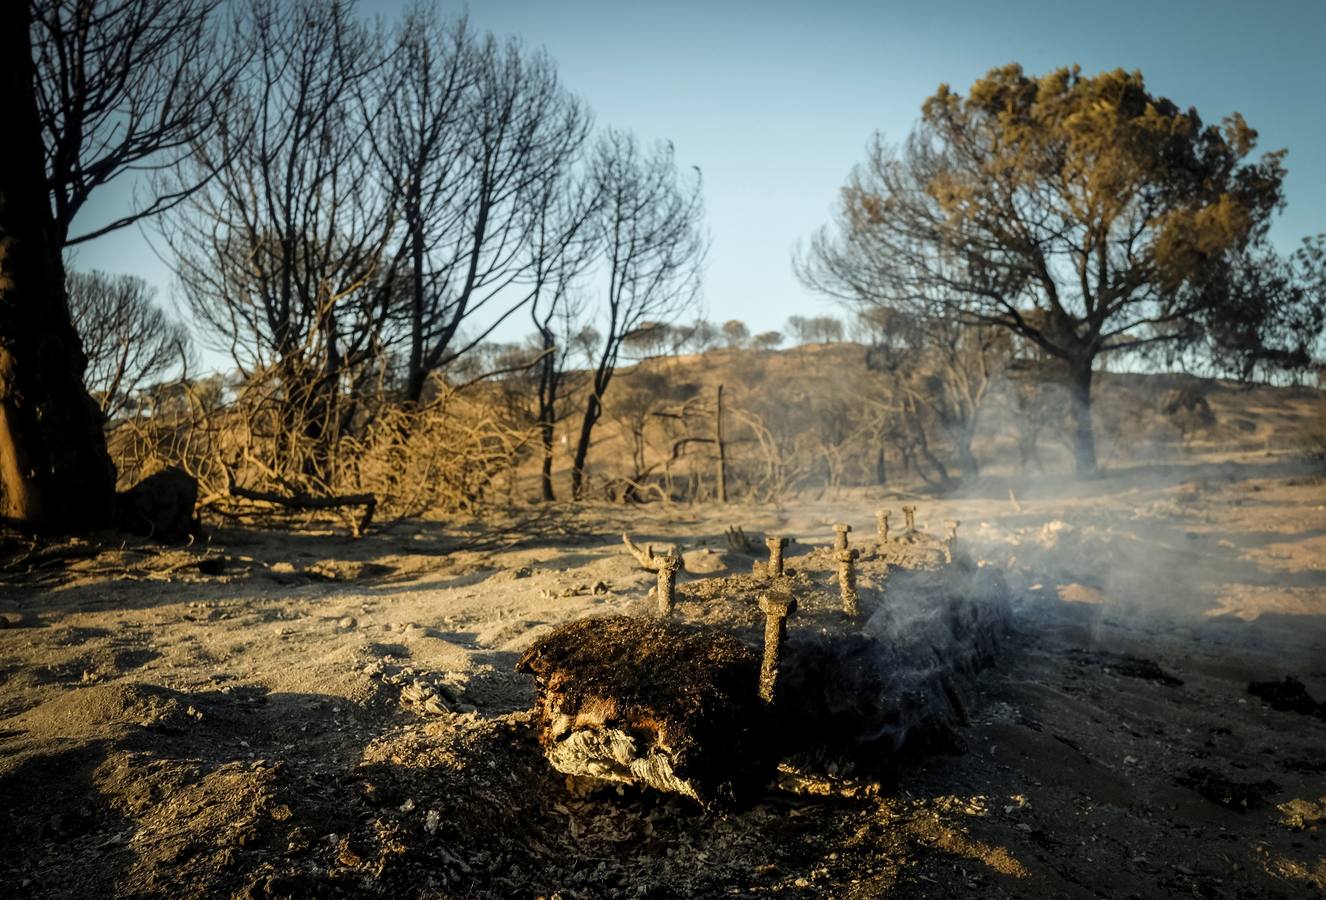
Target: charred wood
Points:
(668, 706)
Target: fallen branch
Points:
(306, 502)
(42, 556)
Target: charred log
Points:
(674, 707)
(869, 659)
(367, 502)
(669, 706)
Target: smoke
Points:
(903, 681)
(1169, 554)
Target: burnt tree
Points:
(283, 254)
(128, 339)
(125, 86)
(55, 473)
(476, 138)
(561, 247)
(651, 247)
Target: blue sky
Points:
(775, 101)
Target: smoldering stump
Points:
(684, 708)
(667, 705)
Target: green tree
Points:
(1083, 213)
(735, 333)
(1274, 315)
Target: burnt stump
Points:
(671, 706)
(679, 702)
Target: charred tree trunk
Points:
(922, 446)
(593, 409)
(55, 473)
(417, 378)
(971, 467)
(545, 472)
(548, 379)
(1029, 453)
(722, 448)
(1084, 437)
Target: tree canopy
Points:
(1084, 213)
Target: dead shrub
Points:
(259, 453)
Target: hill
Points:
(817, 417)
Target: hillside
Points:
(821, 416)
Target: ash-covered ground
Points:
(299, 715)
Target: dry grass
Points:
(257, 454)
(803, 423)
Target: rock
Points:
(423, 698)
(347, 623)
(212, 565)
(161, 506)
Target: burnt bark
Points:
(722, 447)
(666, 705)
(549, 377)
(55, 473)
(593, 409)
(1084, 436)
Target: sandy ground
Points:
(310, 715)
